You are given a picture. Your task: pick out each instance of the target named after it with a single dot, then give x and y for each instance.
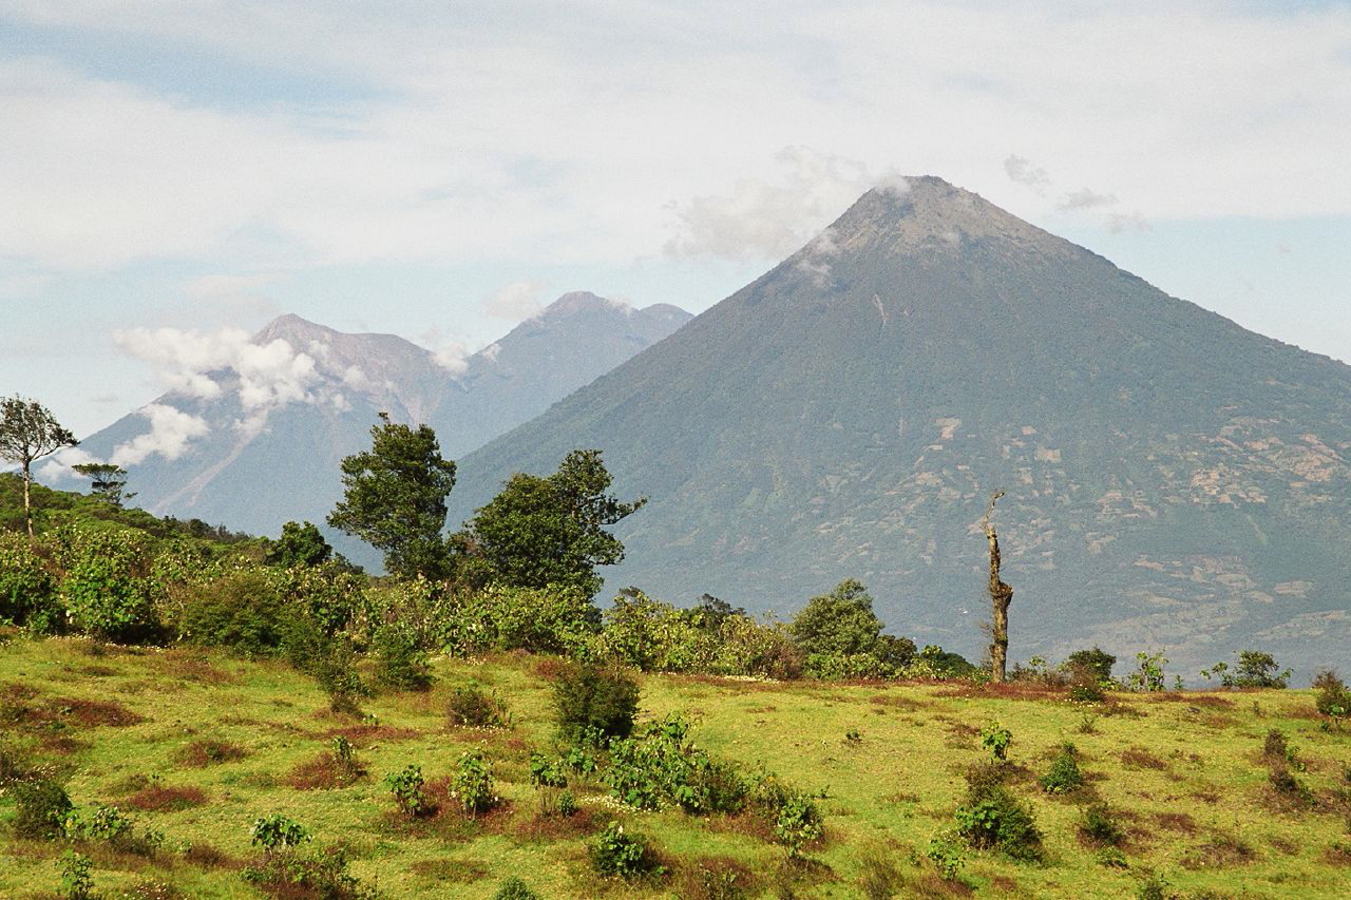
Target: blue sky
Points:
(438, 170)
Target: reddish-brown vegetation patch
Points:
(1192, 699)
(325, 772)
(56, 742)
(159, 798)
(1339, 854)
(206, 856)
(1222, 851)
(1175, 821)
(1140, 758)
(896, 701)
(192, 665)
(555, 827)
(456, 871)
(200, 754)
(95, 712)
(1009, 690)
(715, 877)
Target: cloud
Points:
(62, 462)
(1119, 222)
(453, 356)
(490, 352)
(1022, 171)
(1084, 198)
(170, 432)
(768, 219)
(516, 302)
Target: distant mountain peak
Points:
(293, 329)
(583, 301)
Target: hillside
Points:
(199, 745)
(260, 453)
(1173, 480)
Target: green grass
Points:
(1192, 786)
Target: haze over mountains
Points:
(259, 443)
(1173, 481)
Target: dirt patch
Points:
(715, 877)
(1222, 851)
(365, 735)
(161, 798)
(555, 828)
(1175, 821)
(200, 754)
(896, 701)
(1338, 854)
(206, 856)
(192, 665)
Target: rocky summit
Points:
(1173, 481)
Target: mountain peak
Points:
(582, 301)
(927, 212)
(293, 329)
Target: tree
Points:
(1096, 662)
(28, 432)
(108, 481)
(394, 498)
(840, 629)
(547, 530)
(1001, 595)
(300, 544)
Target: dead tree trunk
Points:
(1001, 595)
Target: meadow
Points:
(198, 744)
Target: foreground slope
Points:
(200, 745)
(258, 466)
(1172, 479)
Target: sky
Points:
(179, 170)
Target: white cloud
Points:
(490, 352)
(1085, 198)
(516, 302)
(1023, 171)
(62, 462)
(170, 432)
(453, 356)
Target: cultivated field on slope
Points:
(134, 726)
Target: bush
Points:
(473, 707)
(658, 768)
(1096, 664)
(515, 889)
(41, 808)
(321, 874)
(1332, 699)
(76, 881)
(551, 619)
(1064, 775)
(473, 784)
(626, 855)
(842, 636)
(946, 855)
(111, 826)
(590, 701)
(240, 611)
(746, 647)
(792, 815)
(106, 588)
(276, 833)
(653, 636)
(27, 589)
(400, 663)
(992, 819)
(406, 786)
(1098, 826)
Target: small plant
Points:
(42, 807)
(1333, 699)
(276, 833)
(548, 777)
(473, 785)
(406, 786)
(515, 889)
(473, 707)
(997, 739)
(880, 879)
(1152, 888)
(1148, 675)
(567, 804)
(345, 758)
(1098, 826)
(946, 855)
(615, 852)
(793, 816)
(1087, 724)
(1064, 775)
(76, 881)
(1111, 858)
(853, 737)
(595, 703)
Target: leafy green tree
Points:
(1097, 661)
(550, 530)
(109, 482)
(300, 544)
(28, 432)
(394, 498)
(1258, 669)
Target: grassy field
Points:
(199, 745)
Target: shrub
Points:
(549, 778)
(1064, 775)
(653, 636)
(406, 786)
(106, 589)
(1148, 675)
(793, 816)
(276, 833)
(473, 707)
(1096, 664)
(946, 855)
(240, 611)
(110, 825)
(591, 701)
(41, 808)
(627, 855)
(76, 881)
(321, 874)
(567, 804)
(658, 767)
(400, 663)
(515, 889)
(473, 784)
(551, 619)
(1333, 699)
(746, 647)
(27, 589)
(842, 636)
(1098, 825)
(997, 739)
(1257, 669)
(992, 819)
